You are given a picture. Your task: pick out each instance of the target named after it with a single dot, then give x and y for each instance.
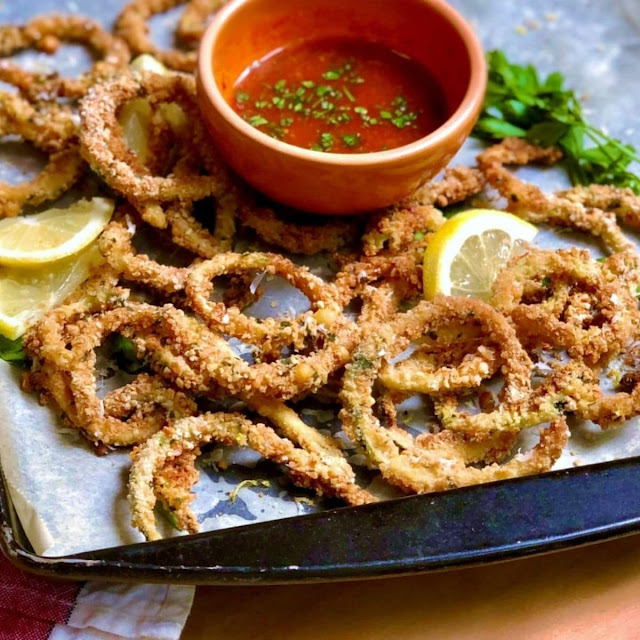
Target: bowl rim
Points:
(466, 110)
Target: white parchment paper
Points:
(70, 500)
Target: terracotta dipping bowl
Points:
(428, 31)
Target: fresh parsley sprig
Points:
(12, 351)
(518, 103)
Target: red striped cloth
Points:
(30, 606)
(35, 608)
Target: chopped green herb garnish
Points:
(348, 93)
(351, 139)
(403, 120)
(276, 132)
(419, 235)
(257, 121)
(361, 362)
(330, 101)
(323, 90)
(326, 141)
(246, 484)
(333, 74)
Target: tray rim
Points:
(104, 564)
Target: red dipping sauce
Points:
(340, 96)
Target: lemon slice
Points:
(145, 63)
(135, 116)
(32, 241)
(466, 254)
(27, 294)
(135, 120)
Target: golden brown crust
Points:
(561, 305)
(45, 33)
(50, 130)
(131, 25)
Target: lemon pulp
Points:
(466, 254)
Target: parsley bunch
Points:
(518, 103)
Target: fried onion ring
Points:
(115, 245)
(63, 168)
(306, 469)
(189, 234)
(433, 462)
(194, 19)
(45, 33)
(298, 238)
(388, 342)
(622, 202)
(270, 333)
(101, 141)
(405, 227)
(591, 316)
(131, 25)
(355, 276)
(529, 202)
(126, 416)
(172, 485)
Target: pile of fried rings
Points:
(557, 321)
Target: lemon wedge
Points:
(135, 116)
(145, 62)
(27, 294)
(42, 238)
(466, 254)
(135, 120)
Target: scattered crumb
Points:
(550, 16)
(531, 24)
(521, 29)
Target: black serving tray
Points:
(478, 524)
